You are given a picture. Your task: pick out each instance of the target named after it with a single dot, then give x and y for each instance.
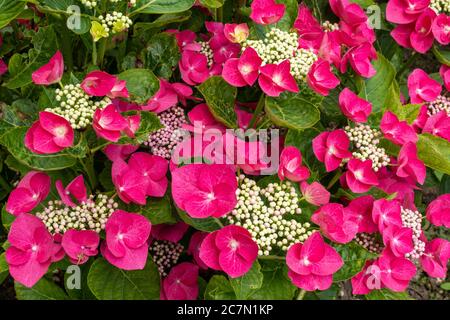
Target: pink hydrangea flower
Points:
(350, 13)
(315, 193)
(360, 60)
(399, 132)
(405, 11)
(230, 249)
(119, 90)
(31, 190)
(76, 188)
(108, 123)
(438, 125)
(402, 34)
(266, 11)
(275, 79)
(194, 248)
(313, 263)
(193, 67)
(170, 232)
(331, 148)
(243, 71)
(126, 240)
(335, 223)
(51, 72)
(354, 35)
(361, 280)
(31, 249)
(153, 170)
(422, 87)
(354, 107)
(183, 37)
(130, 184)
(50, 134)
(386, 214)
(165, 98)
(409, 165)
(422, 37)
(399, 240)
(99, 83)
(291, 165)
(236, 33)
(181, 282)
(361, 210)
(3, 67)
(396, 272)
(79, 245)
(435, 259)
(438, 211)
(360, 176)
(202, 117)
(444, 71)
(321, 78)
(309, 29)
(204, 190)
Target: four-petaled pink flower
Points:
(193, 67)
(354, 107)
(361, 210)
(399, 132)
(321, 78)
(266, 11)
(409, 165)
(439, 125)
(242, 71)
(126, 240)
(76, 188)
(315, 193)
(435, 258)
(422, 88)
(336, 223)
(360, 176)
(99, 83)
(79, 245)
(399, 240)
(50, 134)
(386, 214)
(108, 123)
(441, 25)
(194, 248)
(51, 72)
(438, 211)
(205, 190)
(236, 33)
(275, 79)
(230, 249)
(291, 165)
(395, 272)
(313, 263)
(31, 249)
(31, 190)
(181, 282)
(331, 148)
(360, 60)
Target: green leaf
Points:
(157, 210)
(59, 4)
(162, 55)
(386, 294)
(446, 286)
(443, 55)
(162, 6)
(301, 139)
(276, 284)
(44, 289)
(219, 288)
(434, 152)
(288, 19)
(220, 98)
(110, 283)
(142, 84)
(408, 112)
(354, 257)
(7, 218)
(13, 140)
(9, 10)
(246, 285)
(4, 269)
(83, 293)
(212, 4)
(207, 224)
(294, 111)
(378, 89)
(44, 47)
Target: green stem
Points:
(334, 179)
(101, 51)
(271, 258)
(94, 53)
(218, 222)
(5, 185)
(88, 167)
(301, 294)
(258, 110)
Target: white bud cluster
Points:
(115, 22)
(279, 46)
(165, 255)
(265, 214)
(370, 242)
(365, 142)
(89, 4)
(90, 215)
(208, 52)
(329, 26)
(440, 6)
(76, 106)
(413, 219)
(440, 104)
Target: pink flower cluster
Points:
(418, 25)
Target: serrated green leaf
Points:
(443, 55)
(220, 98)
(142, 84)
(44, 289)
(207, 224)
(162, 55)
(110, 283)
(386, 294)
(219, 288)
(434, 152)
(162, 6)
(9, 10)
(247, 284)
(408, 112)
(354, 257)
(157, 210)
